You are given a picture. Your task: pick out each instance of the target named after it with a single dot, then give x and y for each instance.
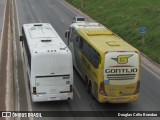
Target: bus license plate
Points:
(52, 98)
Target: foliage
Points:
(125, 18)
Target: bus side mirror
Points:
(67, 33)
(21, 38)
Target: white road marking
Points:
(62, 20)
(158, 77)
(49, 6)
(77, 92)
(33, 7)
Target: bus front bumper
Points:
(51, 97)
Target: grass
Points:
(125, 18)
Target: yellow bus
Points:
(109, 66)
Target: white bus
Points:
(48, 63)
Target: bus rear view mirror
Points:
(67, 33)
(20, 38)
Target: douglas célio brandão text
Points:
(137, 114)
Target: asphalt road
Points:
(60, 16)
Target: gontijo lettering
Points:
(132, 70)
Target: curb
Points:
(150, 60)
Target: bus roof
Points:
(101, 38)
(41, 38)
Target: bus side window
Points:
(89, 52)
(95, 59)
(81, 43)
